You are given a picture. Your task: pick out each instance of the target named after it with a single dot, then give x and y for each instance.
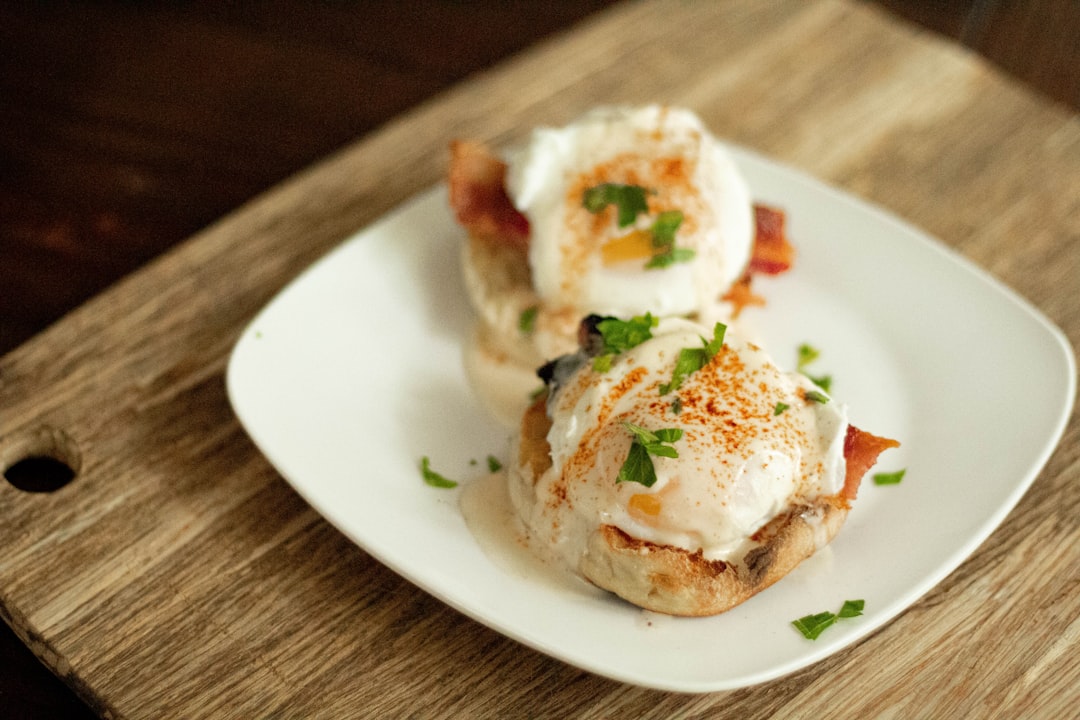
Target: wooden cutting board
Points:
(178, 575)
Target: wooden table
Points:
(177, 575)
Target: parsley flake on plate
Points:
(892, 478)
(433, 478)
(807, 354)
(811, 626)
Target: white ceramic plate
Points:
(355, 371)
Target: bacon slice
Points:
(773, 253)
(861, 450)
(478, 195)
(741, 296)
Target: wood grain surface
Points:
(179, 576)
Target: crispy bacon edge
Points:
(861, 451)
(773, 253)
(477, 188)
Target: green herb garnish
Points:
(664, 228)
(433, 478)
(676, 405)
(638, 466)
(493, 463)
(621, 335)
(527, 319)
(631, 201)
(851, 608)
(663, 241)
(628, 199)
(813, 625)
(669, 257)
(807, 355)
(816, 396)
(780, 407)
(690, 360)
(602, 363)
(892, 478)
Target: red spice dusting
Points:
(582, 464)
(631, 379)
(558, 494)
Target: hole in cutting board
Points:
(41, 460)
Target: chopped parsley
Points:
(621, 335)
(493, 463)
(807, 355)
(676, 405)
(816, 396)
(628, 199)
(638, 466)
(527, 319)
(691, 360)
(631, 201)
(669, 257)
(663, 241)
(433, 478)
(811, 626)
(851, 608)
(892, 478)
(664, 228)
(780, 407)
(602, 363)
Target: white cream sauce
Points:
(739, 464)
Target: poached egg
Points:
(587, 261)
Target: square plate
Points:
(355, 371)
